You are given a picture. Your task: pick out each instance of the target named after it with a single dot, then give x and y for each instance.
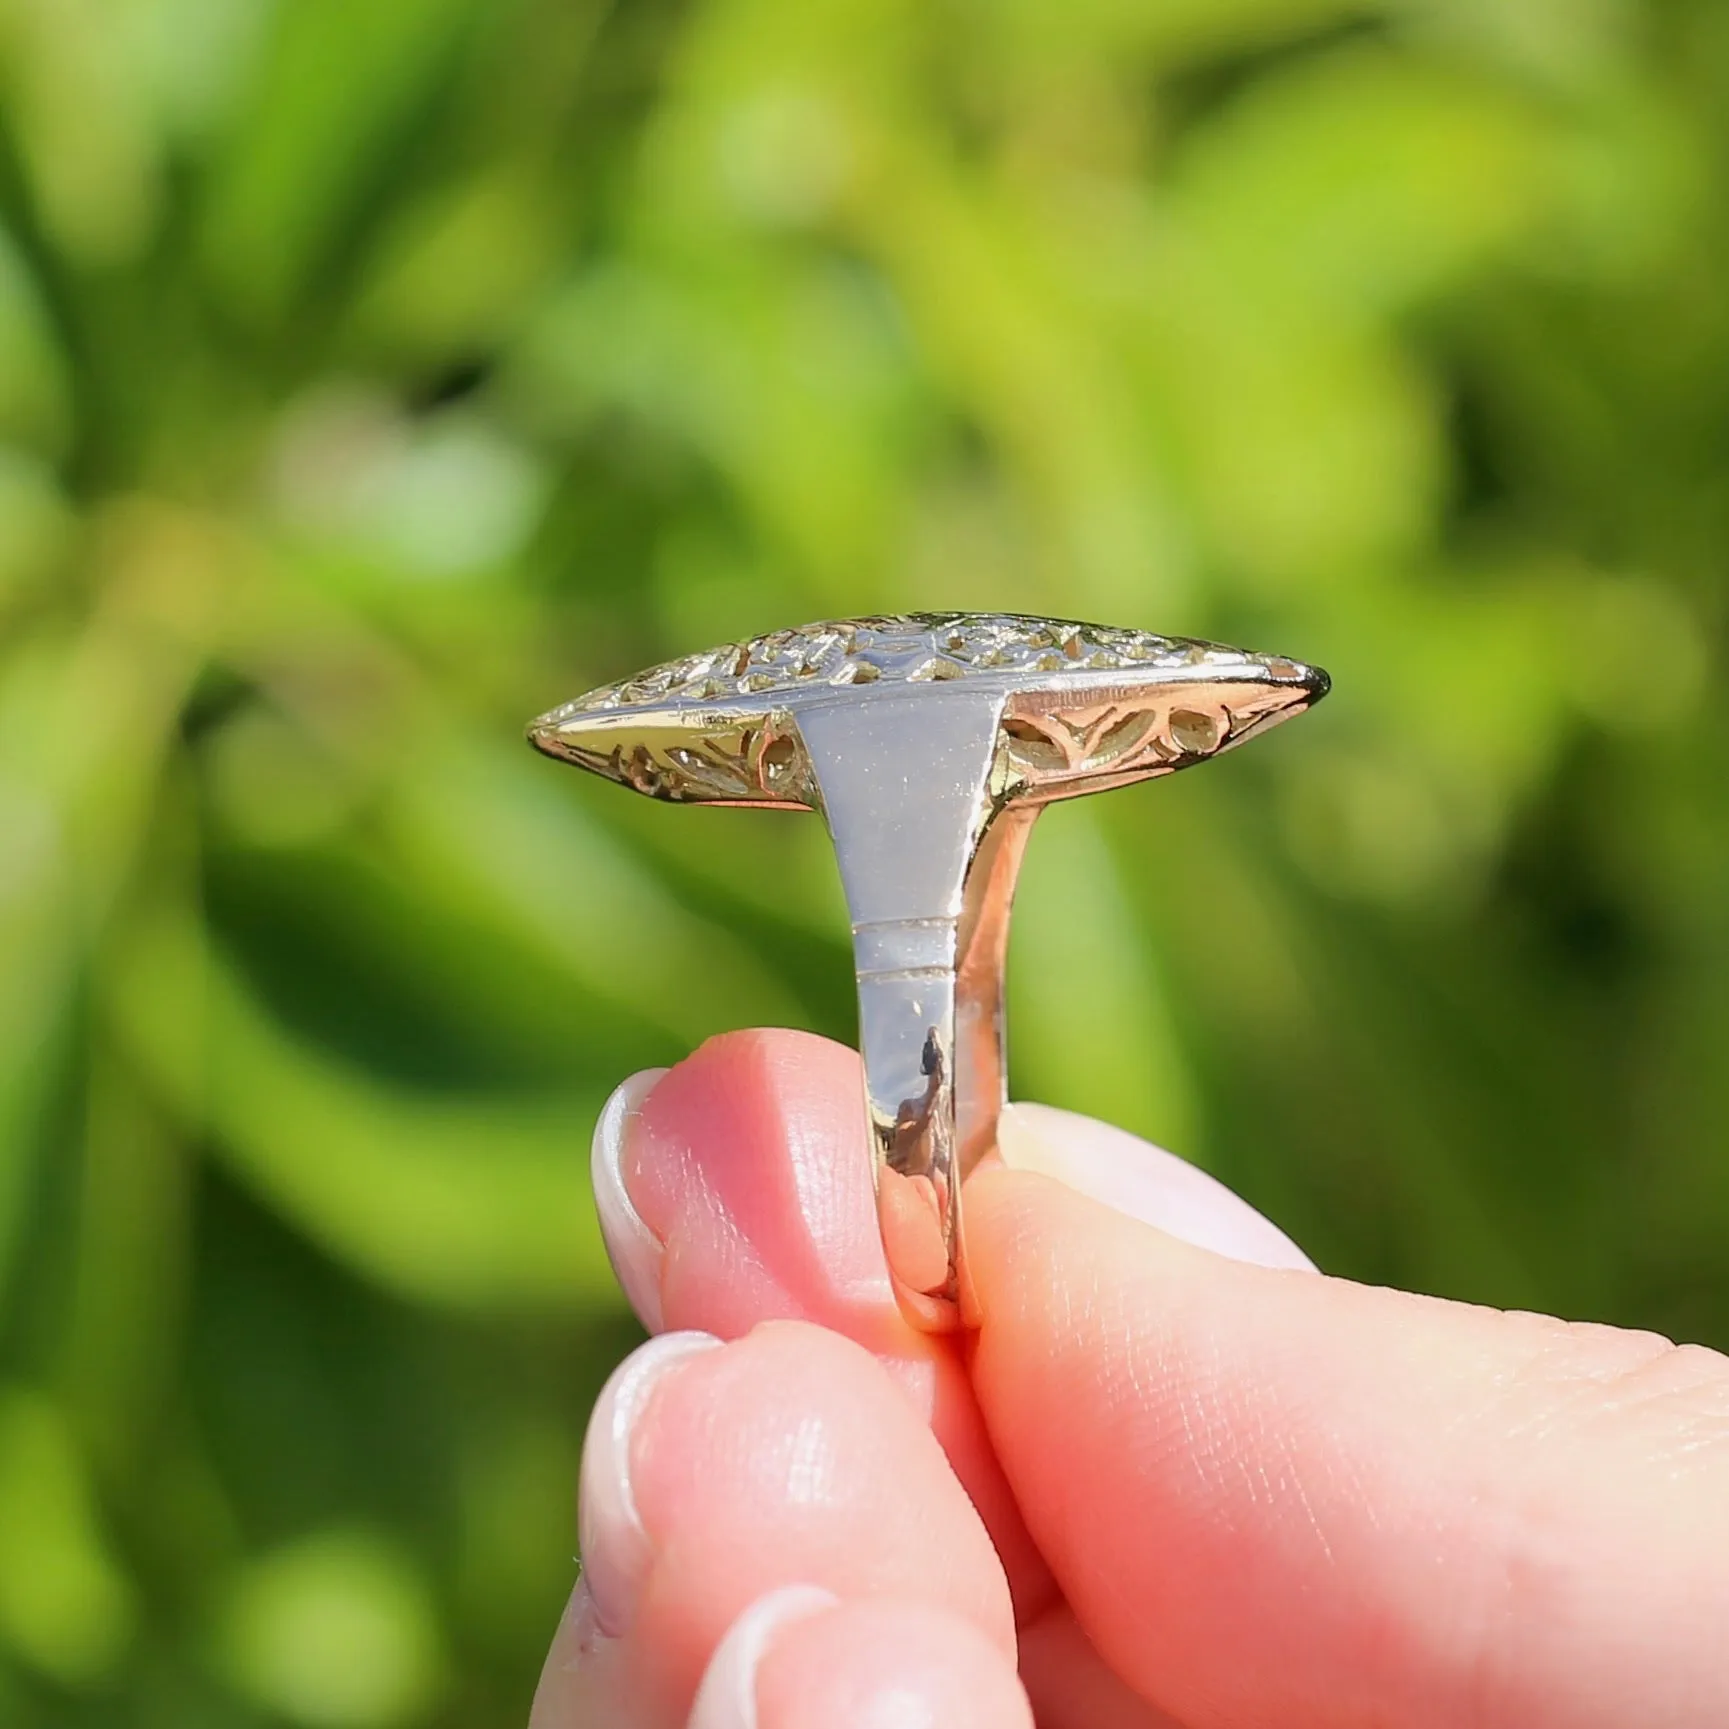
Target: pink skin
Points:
(741, 1165)
(885, 1665)
(1218, 1489)
(787, 1456)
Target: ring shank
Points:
(928, 868)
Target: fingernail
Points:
(635, 1251)
(727, 1697)
(1134, 1177)
(616, 1552)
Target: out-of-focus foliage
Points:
(375, 373)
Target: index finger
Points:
(748, 1182)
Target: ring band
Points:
(929, 743)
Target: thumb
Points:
(1276, 1497)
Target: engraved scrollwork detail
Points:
(751, 764)
(1058, 752)
(917, 648)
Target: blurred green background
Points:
(376, 373)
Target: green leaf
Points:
(340, 89)
(470, 1203)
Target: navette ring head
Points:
(929, 743)
(1085, 706)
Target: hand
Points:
(1177, 1478)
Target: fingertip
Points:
(794, 1452)
(1037, 1245)
(800, 1659)
(616, 1553)
(1142, 1181)
(787, 1456)
(729, 1695)
(748, 1160)
(633, 1248)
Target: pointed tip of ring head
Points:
(543, 734)
(1276, 690)
(1305, 685)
